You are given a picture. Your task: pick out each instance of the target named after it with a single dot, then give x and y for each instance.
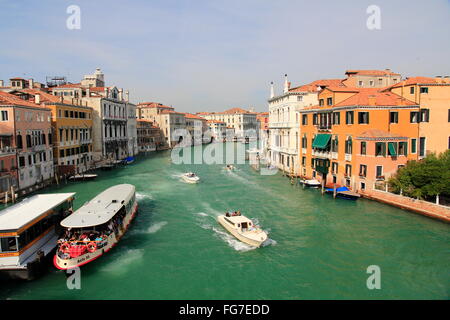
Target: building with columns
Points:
(284, 121)
(114, 117)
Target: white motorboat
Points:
(81, 177)
(230, 167)
(313, 183)
(243, 229)
(190, 177)
(96, 227)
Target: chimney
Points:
(37, 98)
(272, 92)
(286, 84)
(120, 94)
(106, 92)
(61, 99)
(30, 83)
(88, 92)
(2, 83)
(127, 96)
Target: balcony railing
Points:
(321, 154)
(348, 157)
(6, 150)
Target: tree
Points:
(424, 179)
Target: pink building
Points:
(25, 128)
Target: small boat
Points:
(96, 227)
(128, 160)
(243, 229)
(344, 193)
(312, 183)
(190, 177)
(83, 177)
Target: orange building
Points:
(72, 129)
(433, 96)
(357, 136)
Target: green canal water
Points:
(320, 248)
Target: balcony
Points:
(321, 154)
(348, 157)
(324, 127)
(279, 125)
(7, 150)
(334, 155)
(40, 147)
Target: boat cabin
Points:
(29, 229)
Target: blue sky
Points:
(205, 55)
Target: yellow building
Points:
(72, 130)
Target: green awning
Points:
(321, 141)
(391, 147)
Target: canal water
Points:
(319, 248)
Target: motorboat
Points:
(344, 193)
(230, 167)
(312, 183)
(190, 177)
(243, 229)
(83, 177)
(96, 227)
(128, 160)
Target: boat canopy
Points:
(101, 209)
(17, 216)
(340, 189)
(321, 141)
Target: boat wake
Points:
(122, 261)
(202, 214)
(156, 227)
(142, 196)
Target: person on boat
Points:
(227, 214)
(238, 212)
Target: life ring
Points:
(65, 247)
(91, 247)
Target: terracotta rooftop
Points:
(373, 96)
(10, 99)
(415, 80)
(371, 72)
(193, 116)
(44, 96)
(312, 87)
(68, 85)
(153, 105)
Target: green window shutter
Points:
(391, 147)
